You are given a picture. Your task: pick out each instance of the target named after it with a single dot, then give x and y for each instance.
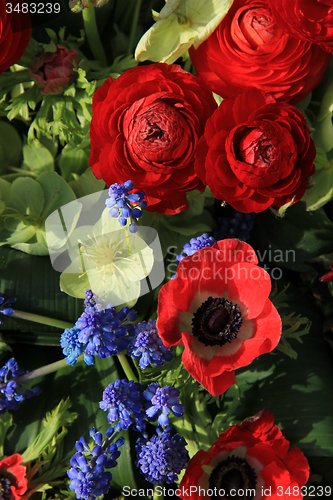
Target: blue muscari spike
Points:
(88, 477)
(162, 457)
(124, 205)
(10, 397)
(124, 401)
(194, 245)
(102, 332)
(160, 401)
(4, 303)
(146, 344)
(238, 225)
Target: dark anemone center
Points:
(216, 322)
(233, 478)
(5, 492)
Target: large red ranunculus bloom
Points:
(248, 50)
(256, 153)
(310, 20)
(12, 477)
(217, 306)
(54, 71)
(252, 456)
(145, 127)
(15, 33)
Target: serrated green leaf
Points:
(54, 420)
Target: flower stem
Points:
(44, 320)
(39, 372)
(133, 28)
(90, 26)
(157, 493)
(126, 367)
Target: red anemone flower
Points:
(13, 483)
(217, 306)
(250, 460)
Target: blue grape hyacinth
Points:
(5, 308)
(162, 457)
(11, 392)
(162, 400)
(124, 205)
(124, 400)
(101, 332)
(194, 245)
(146, 344)
(238, 225)
(88, 477)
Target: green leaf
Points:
(54, 420)
(56, 192)
(37, 158)
(35, 284)
(6, 421)
(87, 184)
(27, 197)
(10, 146)
(73, 161)
(293, 240)
(297, 392)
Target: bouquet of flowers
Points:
(166, 249)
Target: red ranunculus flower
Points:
(54, 71)
(248, 50)
(13, 483)
(217, 306)
(310, 20)
(256, 153)
(145, 127)
(252, 456)
(15, 33)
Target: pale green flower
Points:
(108, 260)
(180, 24)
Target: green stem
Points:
(157, 493)
(44, 320)
(126, 367)
(234, 405)
(22, 171)
(39, 372)
(90, 26)
(127, 240)
(133, 28)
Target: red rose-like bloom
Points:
(54, 71)
(217, 306)
(310, 20)
(256, 153)
(248, 50)
(252, 455)
(15, 33)
(13, 483)
(145, 127)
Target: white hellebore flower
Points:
(180, 24)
